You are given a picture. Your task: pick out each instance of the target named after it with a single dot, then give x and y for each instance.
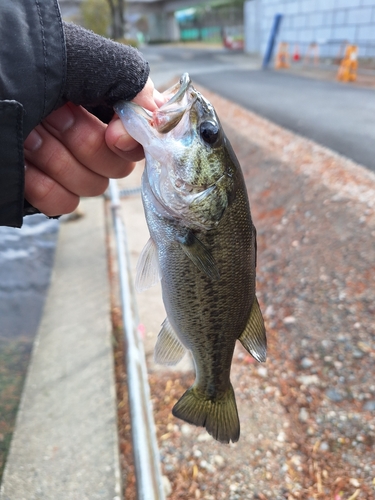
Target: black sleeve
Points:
(32, 79)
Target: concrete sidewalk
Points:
(65, 444)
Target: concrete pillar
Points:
(158, 27)
(173, 28)
(252, 26)
(163, 27)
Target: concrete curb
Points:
(65, 445)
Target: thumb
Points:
(149, 98)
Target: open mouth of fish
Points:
(181, 97)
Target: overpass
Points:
(160, 15)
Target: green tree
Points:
(96, 16)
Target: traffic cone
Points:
(347, 71)
(282, 56)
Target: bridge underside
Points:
(162, 24)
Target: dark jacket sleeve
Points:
(32, 81)
(43, 64)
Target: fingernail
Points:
(61, 119)
(33, 141)
(122, 143)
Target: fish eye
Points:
(209, 132)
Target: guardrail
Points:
(145, 448)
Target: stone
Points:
(334, 395)
(369, 405)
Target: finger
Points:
(47, 195)
(159, 98)
(145, 98)
(120, 142)
(84, 135)
(149, 98)
(117, 137)
(52, 158)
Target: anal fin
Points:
(253, 338)
(168, 348)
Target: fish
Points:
(202, 247)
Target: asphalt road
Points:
(336, 115)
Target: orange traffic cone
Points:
(348, 68)
(282, 56)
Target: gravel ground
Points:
(308, 414)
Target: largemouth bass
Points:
(203, 248)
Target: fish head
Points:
(189, 166)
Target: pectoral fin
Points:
(168, 349)
(199, 255)
(148, 272)
(253, 338)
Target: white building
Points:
(329, 23)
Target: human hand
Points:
(73, 154)
(117, 137)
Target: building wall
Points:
(329, 23)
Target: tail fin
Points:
(219, 417)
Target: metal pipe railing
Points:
(145, 447)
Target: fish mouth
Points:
(178, 90)
(181, 97)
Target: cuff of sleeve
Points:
(12, 165)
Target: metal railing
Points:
(145, 448)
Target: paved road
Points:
(335, 115)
